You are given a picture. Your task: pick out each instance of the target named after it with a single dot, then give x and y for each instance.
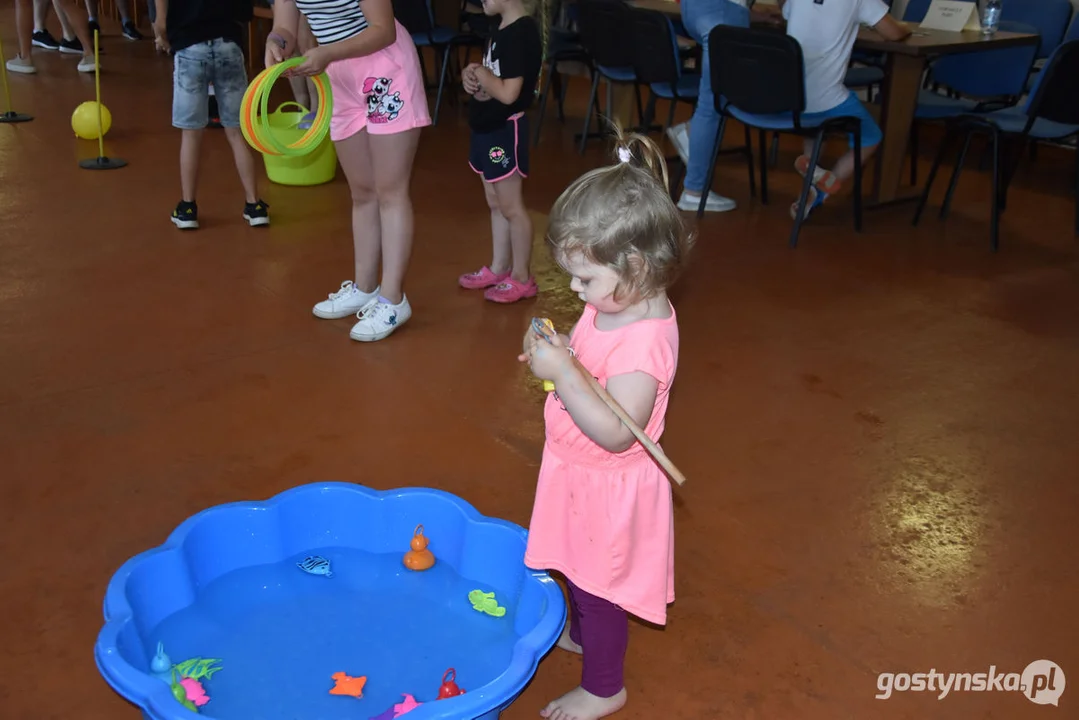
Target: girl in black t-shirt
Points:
(502, 89)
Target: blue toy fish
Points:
(316, 565)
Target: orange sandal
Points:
(823, 180)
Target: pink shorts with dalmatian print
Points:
(383, 92)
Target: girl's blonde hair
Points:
(622, 216)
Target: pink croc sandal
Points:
(510, 291)
(482, 278)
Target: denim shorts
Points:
(220, 62)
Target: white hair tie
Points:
(624, 155)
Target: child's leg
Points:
(501, 248)
(512, 208)
(81, 25)
(392, 156)
(24, 28)
(354, 154)
(190, 148)
(245, 164)
(230, 83)
(378, 168)
(604, 634)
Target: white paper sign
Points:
(952, 16)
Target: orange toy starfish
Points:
(346, 685)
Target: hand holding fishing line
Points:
(544, 328)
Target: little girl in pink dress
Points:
(603, 513)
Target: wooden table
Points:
(906, 63)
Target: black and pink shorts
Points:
(498, 154)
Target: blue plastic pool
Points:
(226, 585)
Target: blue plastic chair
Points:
(1051, 113)
(1050, 17)
(758, 78)
(417, 17)
(604, 28)
(978, 81)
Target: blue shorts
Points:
(501, 153)
(851, 107)
(220, 62)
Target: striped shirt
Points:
(333, 20)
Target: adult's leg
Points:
(391, 157)
(604, 634)
(703, 17)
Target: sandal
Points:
(823, 180)
(510, 291)
(813, 201)
(482, 278)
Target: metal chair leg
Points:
(762, 138)
(857, 128)
(954, 182)
(711, 176)
(544, 94)
(588, 112)
(948, 135)
(807, 184)
(994, 218)
(441, 83)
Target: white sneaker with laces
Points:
(379, 319)
(349, 300)
(714, 203)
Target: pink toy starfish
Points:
(407, 706)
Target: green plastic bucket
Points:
(315, 168)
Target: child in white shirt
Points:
(826, 30)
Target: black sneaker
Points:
(94, 28)
(44, 39)
(71, 47)
(257, 213)
(186, 216)
(131, 32)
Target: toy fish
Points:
(316, 565)
(346, 685)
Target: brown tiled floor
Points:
(879, 429)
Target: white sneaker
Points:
(714, 203)
(21, 65)
(87, 65)
(679, 137)
(379, 319)
(349, 300)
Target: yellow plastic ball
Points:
(84, 121)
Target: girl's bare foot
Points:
(579, 704)
(566, 642)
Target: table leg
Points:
(903, 83)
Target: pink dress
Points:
(604, 520)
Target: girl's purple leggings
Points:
(601, 628)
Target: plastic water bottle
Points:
(990, 16)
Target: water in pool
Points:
(281, 634)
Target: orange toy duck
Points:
(419, 557)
